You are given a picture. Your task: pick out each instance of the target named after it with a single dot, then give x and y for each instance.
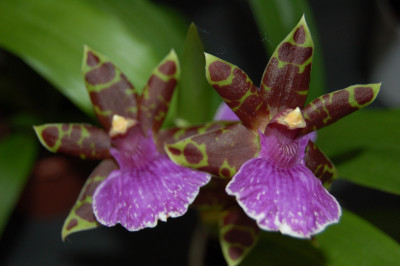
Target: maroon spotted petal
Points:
(110, 91)
(220, 152)
(331, 107)
(320, 164)
(287, 76)
(157, 94)
(238, 92)
(81, 140)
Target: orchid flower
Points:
(277, 171)
(140, 185)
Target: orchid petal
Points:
(238, 234)
(81, 140)
(220, 152)
(292, 201)
(110, 91)
(157, 93)
(319, 164)
(139, 197)
(238, 91)
(172, 135)
(331, 107)
(225, 113)
(81, 216)
(287, 76)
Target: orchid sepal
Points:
(80, 140)
(81, 216)
(331, 107)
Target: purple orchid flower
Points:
(277, 171)
(143, 186)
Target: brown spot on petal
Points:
(50, 135)
(219, 71)
(168, 68)
(239, 86)
(236, 236)
(300, 35)
(192, 154)
(235, 252)
(174, 151)
(72, 224)
(85, 211)
(65, 127)
(294, 54)
(104, 74)
(363, 95)
(89, 191)
(92, 60)
(225, 172)
(285, 85)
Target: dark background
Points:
(33, 235)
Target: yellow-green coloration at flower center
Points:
(294, 119)
(120, 125)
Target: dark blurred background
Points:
(33, 235)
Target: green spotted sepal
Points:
(175, 134)
(238, 234)
(284, 83)
(109, 89)
(320, 164)
(81, 140)
(287, 76)
(81, 216)
(219, 152)
(329, 108)
(157, 94)
(238, 91)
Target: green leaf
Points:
(356, 242)
(17, 155)
(277, 249)
(197, 101)
(275, 19)
(351, 242)
(50, 35)
(365, 148)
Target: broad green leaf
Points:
(196, 98)
(17, 155)
(275, 19)
(277, 249)
(365, 147)
(356, 242)
(351, 242)
(50, 35)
